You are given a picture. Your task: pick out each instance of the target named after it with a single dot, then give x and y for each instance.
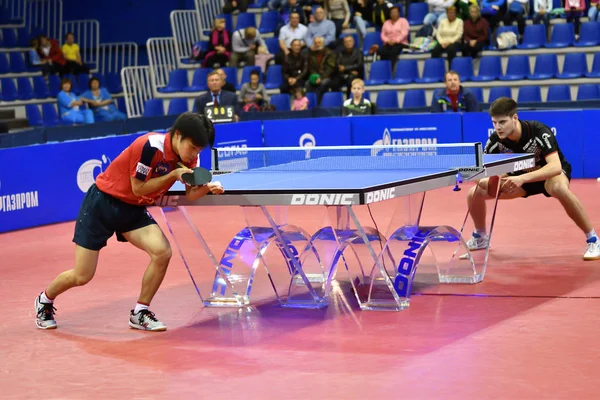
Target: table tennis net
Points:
(348, 158)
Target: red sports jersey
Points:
(149, 156)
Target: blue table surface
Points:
(328, 180)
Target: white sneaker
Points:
(44, 314)
(145, 321)
(478, 242)
(592, 252)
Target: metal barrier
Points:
(45, 16)
(15, 9)
(116, 56)
(207, 11)
(137, 89)
(185, 25)
(162, 59)
(87, 36)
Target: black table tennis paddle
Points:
(200, 176)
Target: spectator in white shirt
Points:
(437, 11)
(294, 30)
(245, 43)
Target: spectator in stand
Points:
(35, 61)
(101, 102)
(517, 10)
(453, 98)
(70, 49)
(357, 104)
(50, 52)
(360, 8)
(245, 43)
(394, 35)
(291, 7)
(69, 105)
(232, 5)
(253, 95)
(321, 68)
(227, 86)
(381, 13)
(300, 101)
(287, 34)
(321, 27)
(350, 66)
(493, 11)
(476, 31)
(593, 14)
(295, 68)
(437, 11)
(276, 4)
(338, 12)
(219, 46)
(216, 95)
(574, 9)
(542, 10)
(449, 36)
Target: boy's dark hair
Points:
(255, 72)
(503, 107)
(197, 127)
(93, 78)
(66, 80)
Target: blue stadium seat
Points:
(154, 108)
(199, 80)
(434, 70)
(517, 68)
(9, 90)
(268, 22)
(232, 76)
(272, 44)
(121, 104)
(499, 91)
(83, 81)
(417, 12)
(74, 85)
(17, 63)
(546, 67)
(589, 35)
(274, 77)
(530, 94)
(23, 37)
(9, 37)
(464, 67)
(259, 4)
(381, 73)
(113, 83)
(50, 114)
(4, 65)
(177, 106)
(477, 92)
(563, 35)
(40, 88)
(32, 112)
(281, 101)
(387, 99)
(372, 38)
(332, 100)
(312, 100)
(367, 95)
(490, 69)
(407, 71)
(575, 66)
(25, 90)
(595, 71)
(244, 20)
(559, 93)
(413, 98)
(177, 81)
(588, 91)
(101, 78)
(54, 85)
(534, 37)
(246, 75)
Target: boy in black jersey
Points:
(356, 104)
(550, 176)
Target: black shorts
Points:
(533, 188)
(102, 215)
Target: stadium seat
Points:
(259, 4)
(154, 108)
(54, 85)
(546, 67)
(332, 100)
(595, 72)
(413, 98)
(563, 35)
(9, 90)
(23, 37)
(372, 38)
(387, 99)
(282, 102)
(121, 104)
(9, 37)
(32, 112)
(367, 95)
(113, 83)
(497, 92)
(272, 44)
(589, 35)
(50, 114)
(268, 22)
(40, 88)
(177, 81)
(517, 68)
(312, 100)
(17, 63)
(381, 73)
(529, 94)
(575, 66)
(232, 76)
(4, 65)
(199, 80)
(588, 91)
(246, 75)
(83, 81)
(177, 106)
(464, 67)
(24, 89)
(434, 70)
(478, 93)
(534, 37)
(407, 71)
(274, 77)
(417, 13)
(490, 69)
(245, 20)
(559, 93)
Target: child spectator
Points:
(357, 105)
(300, 101)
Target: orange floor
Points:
(529, 331)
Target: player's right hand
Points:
(181, 171)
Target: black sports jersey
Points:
(536, 138)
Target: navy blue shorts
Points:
(102, 215)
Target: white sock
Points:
(139, 307)
(45, 299)
(591, 234)
(481, 232)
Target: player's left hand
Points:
(215, 187)
(511, 183)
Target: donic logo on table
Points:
(307, 140)
(89, 170)
(388, 139)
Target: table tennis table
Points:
(339, 181)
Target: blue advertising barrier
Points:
(235, 136)
(307, 132)
(591, 143)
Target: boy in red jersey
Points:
(117, 203)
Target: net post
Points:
(215, 159)
(479, 155)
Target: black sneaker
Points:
(44, 314)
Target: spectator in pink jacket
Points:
(394, 35)
(574, 9)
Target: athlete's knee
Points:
(558, 190)
(82, 278)
(162, 253)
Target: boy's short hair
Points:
(503, 107)
(198, 128)
(358, 81)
